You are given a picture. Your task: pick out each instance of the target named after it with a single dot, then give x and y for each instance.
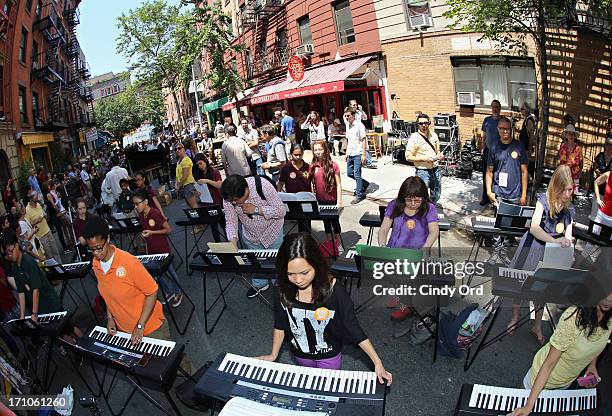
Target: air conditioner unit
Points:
(468, 98)
(305, 49)
(421, 21)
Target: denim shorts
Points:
(189, 190)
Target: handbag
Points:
(328, 250)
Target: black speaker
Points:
(445, 120)
(445, 134)
(398, 125)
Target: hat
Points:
(570, 129)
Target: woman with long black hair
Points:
(205, 174)
(315, 310)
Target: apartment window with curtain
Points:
(282, 47)
(35, 62)
(23, 109)
(512, 81)
(23, 44)
(304, 29)
(344, 22)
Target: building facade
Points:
(108, 85)
(45, 102)
(436, 70)
(337, 42)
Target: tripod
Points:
(69, 210)
(89, 402)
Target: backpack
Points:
(450, 324)
(258, 186)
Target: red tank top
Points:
(607, 208)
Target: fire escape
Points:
(46, 69)
(255, 15)
(79, 73)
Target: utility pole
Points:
(197, 100)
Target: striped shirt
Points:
(263, 229)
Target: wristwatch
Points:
(139, 326)
(256, 210)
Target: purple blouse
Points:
(410, 231)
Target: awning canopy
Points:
(319, 80)
(36, 138)
(213, 105)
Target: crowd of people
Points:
(260, 163)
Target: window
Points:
(282, 47)
(7, 8)
(1, 84)
(418, 14)
(512, 81)
(35, 63)
(28, 6)
(344, 22)
(23, 45)
(22, 104)
(35, 107)
(38, 10)
(248, 62)
(304, 29)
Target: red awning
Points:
(320, 80)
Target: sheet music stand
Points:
(512, 217)
(309, 210)
(207, 215)
(130, 226)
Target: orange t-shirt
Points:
(124, 289)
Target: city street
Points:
(420, 387)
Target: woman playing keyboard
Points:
(315, 310)
(551, 223)
(580, 337)
(413, 222)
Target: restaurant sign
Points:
(330, 87)
(296, 68)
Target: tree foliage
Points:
(205, 35)
(127, 111)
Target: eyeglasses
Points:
(297, 155)
(139, 179)
(505, 128)
(138, 203)
(97, 249)
(413, 200)
(424, 123)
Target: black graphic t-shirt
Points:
(319, 332)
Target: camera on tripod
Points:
(89, 402)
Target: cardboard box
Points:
(161, 190)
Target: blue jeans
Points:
(432, 179)
(368, 158)
(258, 163)
(353, 170)
(261, 282)
(168, 282)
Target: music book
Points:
(222, 247)
(205, 196)
(557, 257)
(239, 406)
(298, 197)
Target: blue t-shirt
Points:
(489, 126)
(506, 160)
(287, 125)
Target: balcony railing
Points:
(46, 68)
(4, 23)
(595, 20)
(50, 25)
(72, 16)
(281, 56)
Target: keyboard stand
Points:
(231, 265)
(31, 354)
(484, 343)
(169, 308)
(189, 224)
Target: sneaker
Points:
(402, 313)
(168, 299)
(254, 291)
(68, 251)
(357, 200)
(371, 166)
(178, 298)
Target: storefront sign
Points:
(92, 135)
(296, 68)
(299, 92)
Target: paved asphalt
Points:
(420, 387)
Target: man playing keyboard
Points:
(128, 289)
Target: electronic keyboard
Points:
(374, 219)
(152, 359)
(334, 392)
(156, 264)
(47, 324)
(244, 261)
(66, 271)
(479, 399)
(486, 225)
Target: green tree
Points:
(121, 113)
(205, 35)
(510, 23)
(148, 39)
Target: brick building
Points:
(430, 68)
(337, 41)
(45, 102)
(108, 85)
